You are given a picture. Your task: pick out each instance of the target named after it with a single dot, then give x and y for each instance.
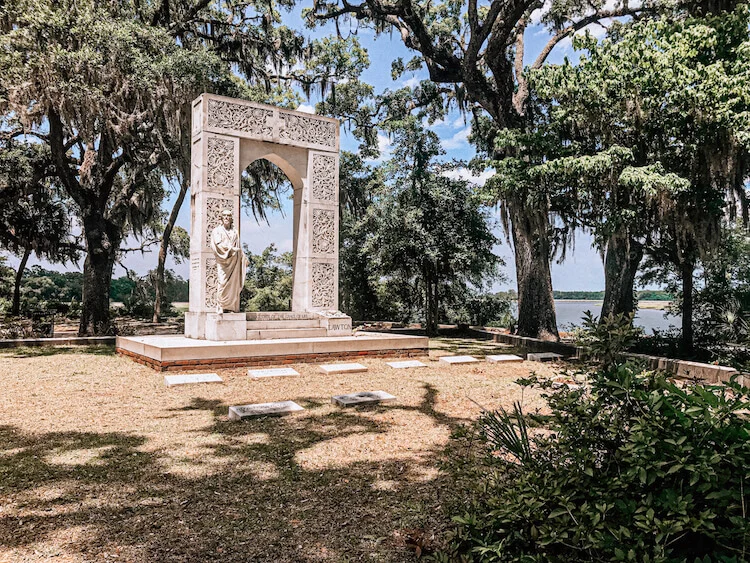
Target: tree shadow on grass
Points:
(259, 503)
(42, 351)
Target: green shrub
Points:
(609, 337)
(633, 469)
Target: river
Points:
(570, 311)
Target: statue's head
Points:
(227, 218)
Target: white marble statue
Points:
(231, 264)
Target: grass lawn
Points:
(99, 461)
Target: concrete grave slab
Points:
(543, 357)
(407, 364)
(263, 409)
(342, 368)
(504, 358)
(172, 380)
(458, 359)
(272, 372)
(362, 398)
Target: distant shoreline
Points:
(643, 304)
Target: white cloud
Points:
(384, 147)
(459, 122)
(411, 82)
(459, 140)
(305, 108)
(464, 173)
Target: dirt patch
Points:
(99, 460)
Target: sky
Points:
(582, 268)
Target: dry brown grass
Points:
(100, 461)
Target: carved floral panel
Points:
(324, 231)
(220, 164)
(212, 282)
(307, 129)
(324, 182)
(214, 207)
(323, 285)
(239, 117)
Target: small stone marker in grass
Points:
(342, 368)
(458, 359)
(171, 380)
(543, 357)
(263, 409)
(363, 398)
(504, 358)
(407, 364)
(272, 372)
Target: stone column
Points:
(214, 185)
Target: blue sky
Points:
(582, 269)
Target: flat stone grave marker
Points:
(171, 380)
(543, 357)
(263, 409)
(342, 368)
(272, 372)
(407, 364)
(458, 359)
(362, 398)
(504, 358)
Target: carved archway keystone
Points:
(229, 134)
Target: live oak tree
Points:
(33, 215)
(431, 238)
(474, 56)
(655, 119)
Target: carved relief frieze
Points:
(307, 129)
(220, 164)
(212, 282)
(240, 117)
(324, 181)
(324, 231)
(323, 285)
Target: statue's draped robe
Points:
(231, 265)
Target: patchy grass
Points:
(100, 461)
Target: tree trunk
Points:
(686, 344)
(536, 305)
(620, 268)
(102, 243)
(431, 313)
(17, 287)
(159, 286)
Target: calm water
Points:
(570, 312)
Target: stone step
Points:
(281, 316)
(264, 325)
(271, 334)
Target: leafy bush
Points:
(635, 469)
(608, 338)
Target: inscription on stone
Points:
(345, 326)
(363, 398)
(272, 372)
(263, 409)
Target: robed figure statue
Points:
(231, 264)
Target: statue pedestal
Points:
(226, 326)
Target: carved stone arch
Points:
(228, 135)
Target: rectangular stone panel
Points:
(504, 358)
(171, 380)
(407, 364)
(543, 357)
(263, 409)
(273, 372)
(458, 359)
(342, 368)
(362, 398)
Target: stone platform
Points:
(178, 353)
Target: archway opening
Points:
(267, 232)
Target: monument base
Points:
(271, 325)
(178, 353)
